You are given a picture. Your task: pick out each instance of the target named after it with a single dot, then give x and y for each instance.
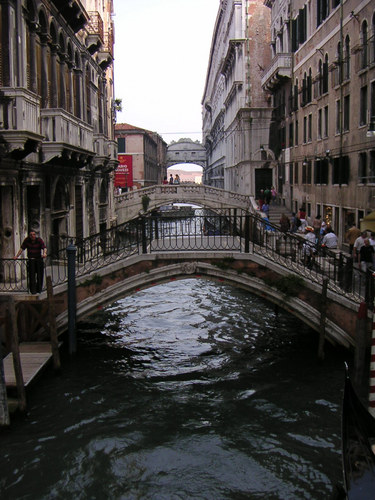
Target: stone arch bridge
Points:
(186, 151)
(243, 253)
(130, 205)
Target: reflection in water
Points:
(186, 390)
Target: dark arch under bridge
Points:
(240, 250)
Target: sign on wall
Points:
(124, 172)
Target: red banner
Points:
(124, 172)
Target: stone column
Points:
(53, 89)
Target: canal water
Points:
(188, 390)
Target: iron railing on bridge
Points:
(205, 231)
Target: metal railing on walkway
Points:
(204, 231)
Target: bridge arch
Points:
(129, 205)
(186, 151)
(251, 273)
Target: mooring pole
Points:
(372, 364)
(72, 298)
(360, 346)
(323, 314)
(4, 410)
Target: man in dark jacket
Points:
(36, 252)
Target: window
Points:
(309, 128)
(363, 106)
(320, 78)
(121, 145)
(364, 43)
(309, 172)
(347, 58)
(299, 29)
(321, 171)
(372, 110)
(339, 64)
(362, 168)
(296, 134)
(322, 10)
(325, 75)
(341, 170)
(291, 176)
(346, 121)
(338, 116)
(304, 172)
(296, 176)
(319, 127)
(372, 167)
(325, 129)
(305, 129)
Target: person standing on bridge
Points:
(176, 179)
(36, 252)
(171, 179)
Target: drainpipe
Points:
(248, 86)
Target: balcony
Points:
(66, 138)
(73, 12)
(19, 121)
(95, 32)
(105, 56)
(106, 153)
(280, 68)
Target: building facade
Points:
(236, 110)
(322, 80)
(57, 147)
(146, 152)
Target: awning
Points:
(368, 222)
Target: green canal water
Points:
(188, 390)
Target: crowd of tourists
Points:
(318, 236)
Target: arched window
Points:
(304, 89)
(325, 74)
(320, 77)
(88, 94)
(42, 63)
(61, 73)
(52, 81)
(68, 79)
(309, 86)
(77, 85)
(339, 64)
(347, 58)
(364, 43)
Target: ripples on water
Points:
(189, 390)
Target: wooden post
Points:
(52, 325)
(16, 355)
(4, 410)
(323, 314)
(360, 346)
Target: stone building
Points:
(236, 110)
(146, 152)
(57, 147)
(322, 80)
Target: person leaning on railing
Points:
(36, 252)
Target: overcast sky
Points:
(161, 58)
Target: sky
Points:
(161, 58)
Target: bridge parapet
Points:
(129, 205)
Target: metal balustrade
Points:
(241, 233)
